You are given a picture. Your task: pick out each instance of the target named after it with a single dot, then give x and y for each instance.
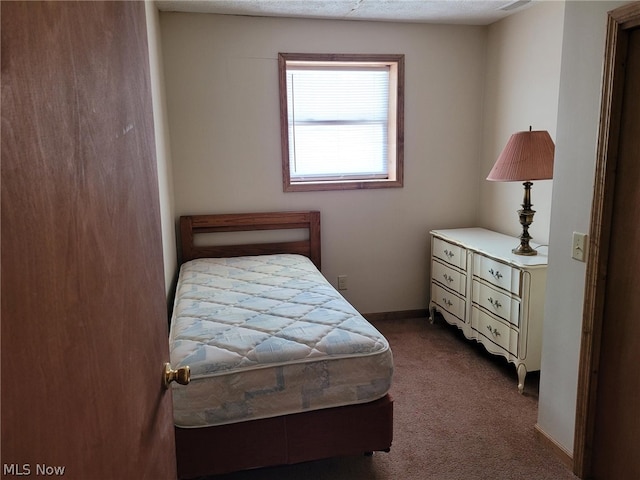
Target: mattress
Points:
(266, 336)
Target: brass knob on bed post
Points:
(181, 375)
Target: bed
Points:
(283, 369)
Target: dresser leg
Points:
(432, 315)
(522, 373)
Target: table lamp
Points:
(527, 156)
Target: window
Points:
(341, 120)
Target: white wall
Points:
(223, 110)
(523, 78)
(577, 131)
(163, 155)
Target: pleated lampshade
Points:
(527, 156)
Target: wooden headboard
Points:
(238, 222)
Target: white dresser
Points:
(491, 294)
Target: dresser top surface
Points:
(494, 244)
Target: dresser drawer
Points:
(498, 332)
(448, 301)
(500, 304)
(449, 277)
(497, 273)
(450, 253)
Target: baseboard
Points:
(560, 452)
(399, 315)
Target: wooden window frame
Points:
(396, 168)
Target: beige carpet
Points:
(457, 415)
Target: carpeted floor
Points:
(457, 416)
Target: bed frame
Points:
(349, 430)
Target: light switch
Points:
(579, 246)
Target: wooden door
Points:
(607, 424)
(84, 329)
(617, 424)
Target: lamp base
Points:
(526, 218)
(525, 249)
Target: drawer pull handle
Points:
(447, 302)
(448, 278)
(497, 275)
(493, 332)
(495, 303)
(448, 253)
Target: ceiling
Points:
(463, 12)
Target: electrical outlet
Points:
(342, 282)
(579, 247)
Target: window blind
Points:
(338, 122)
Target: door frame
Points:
(619, 23)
